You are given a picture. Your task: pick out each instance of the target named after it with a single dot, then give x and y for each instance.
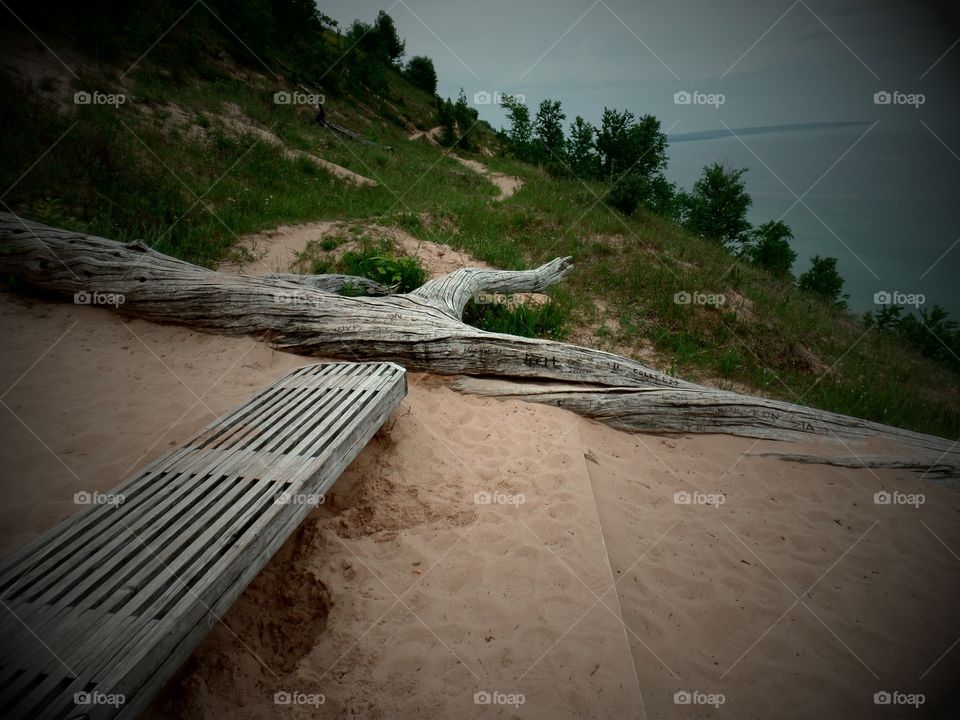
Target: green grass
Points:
(131, 173)
(548, 320)
(380, 264)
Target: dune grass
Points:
(167, 167)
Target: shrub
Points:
(627, 193)
(403, 274)
(823, 280)
(719, 204)
(768, 246)
(420, 72)
(548, 320)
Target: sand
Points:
(597, 596)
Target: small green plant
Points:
(403, 274)
(547, 320)
(319, 266)
(729, 362)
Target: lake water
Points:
(888, 210)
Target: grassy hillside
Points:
(188, 163)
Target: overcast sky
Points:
(774, 62)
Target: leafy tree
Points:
(373, 48)
(665, 199)
(768, 246)
(420, 72)
(719, 205)
(933, 334)
(548, 126)
(363, 64)
(612, 140)
(823, 280)
(521, 128)
(582, 151)
(466, 117)
(447, 120)
(631, 190)
(626, 145)
(384, 41)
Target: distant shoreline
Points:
(763, 130)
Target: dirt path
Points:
(240, 123)
(280, 249)
(507, 184)
(430, 135)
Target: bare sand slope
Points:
(597, 596)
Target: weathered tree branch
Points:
(453, 291)
(936, 466)
(421, 330)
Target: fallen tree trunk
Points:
(421, 330)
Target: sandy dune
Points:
(597, 596)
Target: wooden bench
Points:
(100, 611)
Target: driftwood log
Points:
(421, 330)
